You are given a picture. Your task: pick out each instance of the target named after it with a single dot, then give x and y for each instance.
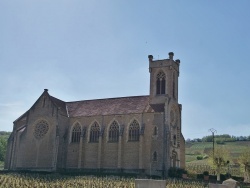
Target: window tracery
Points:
(114, 132)
(160, 83)
(134, 130)
(76, 134)
(41, 129)
(94, 133)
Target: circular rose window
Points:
(41, 129)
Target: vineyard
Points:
(56, 181)
(194, 149)
(200, 168)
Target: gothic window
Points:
(155, 156)
(76, 134)
(94, 133)
(114, 132)
(160, 83)
(155, 131)
(174, 85)
(134, 129)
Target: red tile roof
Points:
(123, 105)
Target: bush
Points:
(3, 146)
(220, 141)
(199, 157)
(205, 173)
(176, 172)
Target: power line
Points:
(212, 130)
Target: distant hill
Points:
(202, 149)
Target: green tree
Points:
(244, 159)
(3, 146)
(219, 159)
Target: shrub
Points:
(220, 141)
(199, 157)
(176, 172)
(205, 173)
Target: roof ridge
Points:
(56, 98)
(108, 98)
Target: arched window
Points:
(94, 133)
(173, 85)
(155, 131)
(155, 156)
(114, 132)
(76, 134)
(160, 83)
(134, 129)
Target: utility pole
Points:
(212, 130)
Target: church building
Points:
(137, 134)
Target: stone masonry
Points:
(138, 134)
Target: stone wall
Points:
(124, 154)
(31, 152)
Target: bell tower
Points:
(163, 79)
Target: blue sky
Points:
(98, 49)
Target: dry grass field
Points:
(61, 181)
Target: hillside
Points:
(195, 149)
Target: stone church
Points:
(137, 134)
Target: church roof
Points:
(110, 106)
(122, 105)
(59, 103)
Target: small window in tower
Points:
(155, 131)
(161, 83)
(174, 139)
(173, 85)
(155, 156)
